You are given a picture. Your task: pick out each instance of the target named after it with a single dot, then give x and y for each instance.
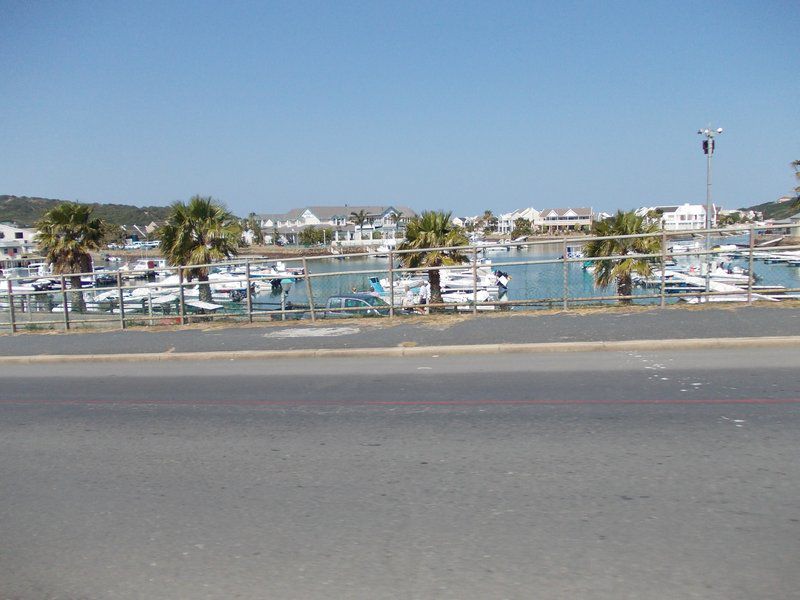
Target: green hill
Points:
(775, 210)
(26, 211)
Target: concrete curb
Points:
(405, 351)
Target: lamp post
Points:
(708, 149)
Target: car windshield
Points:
(375, 301)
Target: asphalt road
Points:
(589, 475)
(678, 322)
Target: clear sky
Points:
(456, 105)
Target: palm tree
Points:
(359, 218)
(199, 233)
(432, 229)
(66, 235)
(621, 270)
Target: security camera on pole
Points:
(708, 149)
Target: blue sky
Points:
(461, 106)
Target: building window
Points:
(18, 235)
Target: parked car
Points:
(359, 305)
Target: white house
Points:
(383, 220)
(680, 217)
(16, 241)
(565, 219)
(505, 222)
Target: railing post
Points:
(309, 292)
(475, 281)
(566, 273)
(750, 274)
(663, 267)
(391, 284)
(11, 307)
(249, 294)
(64, 300)
(149, 306)
(181, 299)
(121, 301)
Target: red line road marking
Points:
(484, 402)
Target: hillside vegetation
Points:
(26, 211)
(774, 210)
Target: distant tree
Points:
(731, 219)
(654, 215)
(199, 233)
(432, 230)
(488, 222)
(359, 219)
(66, 235)
(112, 234)
(254, 224)
(620, 270)
(310, 236)
(522, 226)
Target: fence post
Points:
(475, 281)
(64, 300)
(249, 294)
(181, 299)
(121, 301)
(11, 307)
(750, 274)
(309, 292)
(566, 273)
(391, 284)
(663, 266)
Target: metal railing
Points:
(241, 294)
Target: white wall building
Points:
(505, 222)
(682, 217)
(383, 220)
(565, 219)
(16, 241)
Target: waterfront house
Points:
(383, 223)
(565, 219)
(681, 217)
(505, 222)
(16, 241)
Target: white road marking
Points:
(312, 332)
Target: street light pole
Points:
(708, 149)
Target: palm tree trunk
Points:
(78, 301)
(204, 288)
(436, 289)
(625, 288)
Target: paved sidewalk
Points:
(506, 328)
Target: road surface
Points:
(580, 475)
